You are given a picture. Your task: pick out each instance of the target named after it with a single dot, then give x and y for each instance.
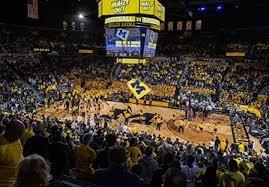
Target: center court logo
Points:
(119, 6)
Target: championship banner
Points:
(188, 25)
(179, 26)
(198, 25)
(170, 26)
(138, 88)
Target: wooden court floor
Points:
(191, 133)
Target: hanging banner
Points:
(32, 9)
(189, 25)
(170, 26)
(179, 26)
(198, 25)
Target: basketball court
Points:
(169, 129)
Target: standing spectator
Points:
(10, 152)
(84, 156)
(233, 177)
(102, 156)
(190, 171)
(117, 175)
(149, 166)
(135, 152)
(37, 144)
(59, 155)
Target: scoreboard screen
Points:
(123, 42)
(150, 43)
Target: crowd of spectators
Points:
(92, 152)
(57, 152)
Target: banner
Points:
(250, 109)
(170, 26)
(179, 26)
(32, 9)
(198, 25)
(138, 88)
(188, 25)
(235, 54)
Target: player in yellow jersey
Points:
(159, 122)
(181, 126)
(201, 127)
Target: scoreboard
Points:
(123, 42)
(131, 27)
(131, 7)
(150, 43)
(131, 42)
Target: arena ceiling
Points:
(53, 11)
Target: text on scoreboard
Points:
(129, 7)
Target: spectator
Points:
(117, 175)
(37, 144)
(10, 152)
(233, 177)
(135, 152)
(33, 171)
(190, 171)
(84, 157)
(102, 156)
(149, 166)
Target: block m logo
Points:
(139, 88)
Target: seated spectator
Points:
(33, 171)
(10, 152)
(116, 175)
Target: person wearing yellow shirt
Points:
(201, 127)
(28, 133)
(135, 152)
(111, 114)
(233, 177)
(10, 152)
(241, 148)
(141, 114)
(215, 129)
(84, 157)
(181, 126)
(222, 145)
(159, 122)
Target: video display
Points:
(150, 43)
(123, 42)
